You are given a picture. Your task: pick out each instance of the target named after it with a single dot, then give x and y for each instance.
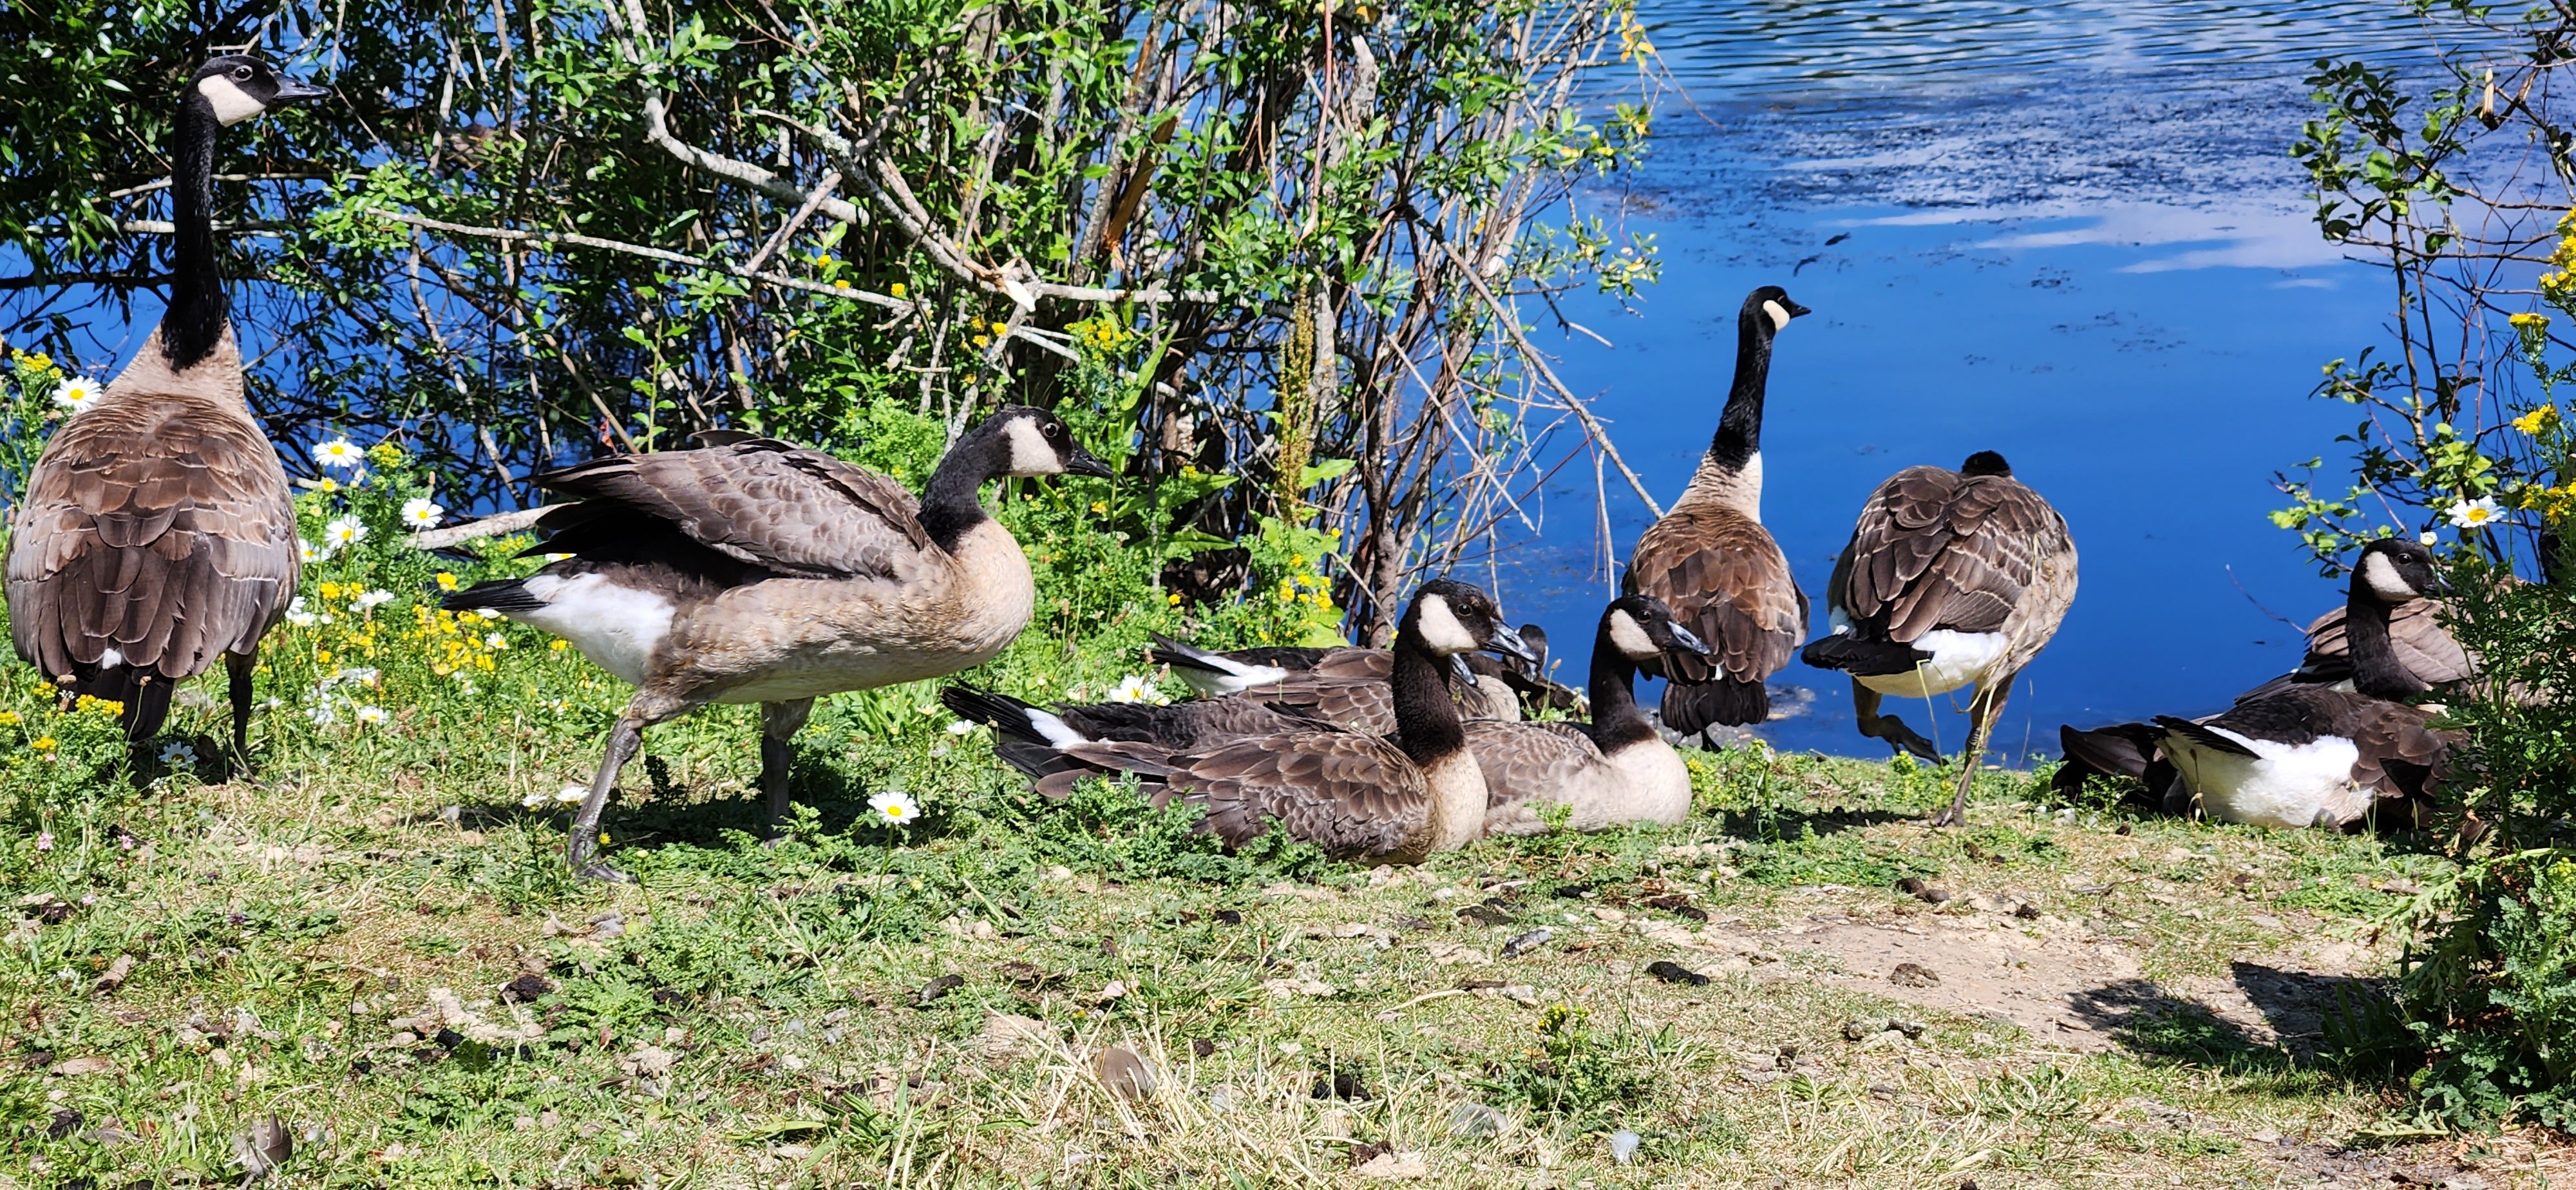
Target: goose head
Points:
(1450, 617)
(1771, 307)
(1986, 462)
(2394, 570)
(1033, 441)
(1642, 629)
(237, 87)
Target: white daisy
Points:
(77, 393)
(296, 615)
(894, 807)
(177, 755)
(419, 513)
(343, 533)
(371, 600)
(536, 799)
(310, 552)
(494, 640)
(370, 716)
(572, 794)
(1134, 688)
(339, 454)
(487, 613)
(2475, 514)
(322, 714)
(960, 727)
(2429, 537)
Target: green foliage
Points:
(1577, 1074)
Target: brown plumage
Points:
(156, 533)
(1612, 772)
(1951, 579)
(750, 571)
(1343, 685)
(1384, 799)
(1713, 563)
(2423, 648)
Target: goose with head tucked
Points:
(1710, 560)
(1615, 771)
(1951, 579)
(1380, 799)
(752, 571)
(156, 533)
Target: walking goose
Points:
(156, 533)
(1951, 579)
(1712, 562)
(1387, 800)
(2306, 754)
(751, 571)
(1341, 684)
(1615, 771)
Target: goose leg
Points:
(778, 722)
(581, 846)
(237, 667)
(1888, 727)
(1982, 711)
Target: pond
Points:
(2067, 232)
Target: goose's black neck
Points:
(1616, 720)
(194, 323)
(2376, 670)
(1739, 428)
(1426, 720)
(952, 502)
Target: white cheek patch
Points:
(1440, 628)
(1630, 637)
(1030, 454)
(2382, 576)
(1779, 314)
(232, 104)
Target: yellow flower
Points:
(386, 454)
(8, 718)
(2529, 321)
(330, 590)
(1175, 599)
(1001, 328)
(557, 646)
(446, 582)
(896, 289)
(2537, 420)
(1099, 507)
(42, 743)
(327, 485)
(840, 285)
(983, 341)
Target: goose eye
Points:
(241, 72)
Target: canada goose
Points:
(751, 571)
(156, 532)
(2312, 755)
(1388, 800)
(2424, 650)
(1712, 562)
(1344, 684)
(1951, 578)
(1617, 770)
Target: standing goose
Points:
(1951, 579)
(156, 533)
(2308, 754)
(1388, 800)
(756, 572)
(1342, 684)
(1617, 770)
(1712, 562)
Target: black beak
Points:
(1689, 641)
(1795, 310)
(291, 92)
(1509, 643)
(1081, 462)
(1458, 665)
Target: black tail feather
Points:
(1690, 708)
(144, 695)
(2201, 735)
(1183, 655)
(1868, 658)
(2120, 750)
(1001, 712)
(501, 595)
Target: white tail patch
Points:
(1958, 658)
(110, 659)
(1630, 636)
(1439, 626)
(1058, 733)
(232, 104)
(2288, 786)
(617, 627)
(1214, 675)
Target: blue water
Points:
(2074, 236)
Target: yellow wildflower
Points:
(2537, 420)
(8, 718)
(1099, 507)
(557, 645)
(42, 743)
(2529, 321)
(983, 341)
(1175, 599)
(446, 582)
(330, 590)
(896, 289)
(840, 285)
(1001, 328)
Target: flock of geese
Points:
(157, 535)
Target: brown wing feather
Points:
(158, 525)
(791, 510)
(1528, 762)
(1726, 580)
(1351, 794)
(1935, 549)
(2401, 754)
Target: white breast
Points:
(2284, 785)
(617, 627)
(1958, 658)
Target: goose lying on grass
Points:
(1611, 772)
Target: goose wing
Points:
(2401, 755)
(1528, 762)
(1726, 580)
(783, 508)
(159, 529)
(1349, 793)
(1936, 549)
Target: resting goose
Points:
(1387, 800)
(2304, 755)
(1951, 579)
(2423, 648)
(1712, 562)
(1615, 771)
(157, 533)
(752, 571)
(1342, 684)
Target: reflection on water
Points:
(2069, 232)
